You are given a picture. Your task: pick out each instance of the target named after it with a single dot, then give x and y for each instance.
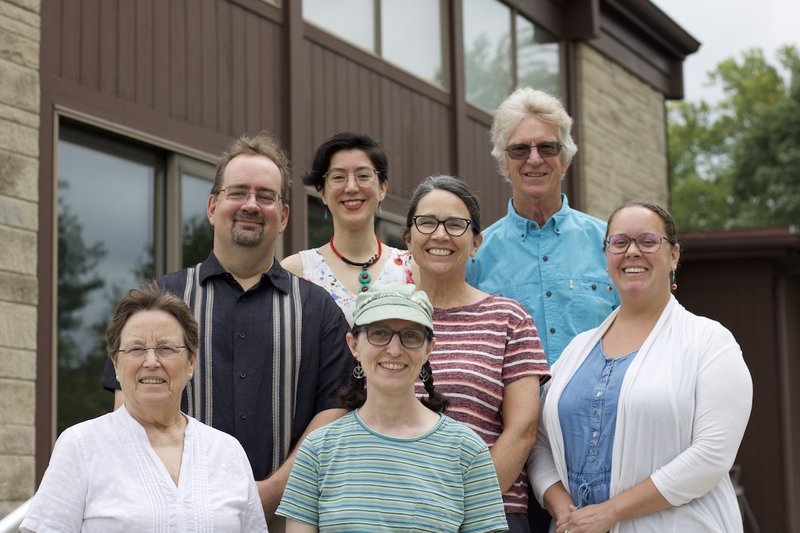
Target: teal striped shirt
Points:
(347, 477)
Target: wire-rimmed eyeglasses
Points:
(647, 243)
(364, 176)
(239, 195)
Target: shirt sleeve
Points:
(483, 503)
(300, 500)
(58, 505)
(524, 355)
(723, 399)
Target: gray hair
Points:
(526, 102)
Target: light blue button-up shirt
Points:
(557, 272)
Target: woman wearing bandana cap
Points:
(394, 462)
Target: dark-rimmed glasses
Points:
(409, 337)
(239, 195)
(523, 151)
(364, 177)
(647, 243)
(454, 226)
(163, 351)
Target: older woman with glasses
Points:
(394, 463)
(147, 466)
(488, 359)
(644, 415)
(351, 173)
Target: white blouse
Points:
(105, 476)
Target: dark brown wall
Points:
(742, 292)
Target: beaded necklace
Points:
(364, 277)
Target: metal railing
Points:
(10, 524)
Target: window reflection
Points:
(487, 50)
(421, 54)
(105, 247)
(537, 58)
(356, 21)
(352, 20)
(197, 236)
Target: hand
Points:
(270, 492)
(590, 519)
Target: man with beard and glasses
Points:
(272, 346)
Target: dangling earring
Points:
(380, 209)
(358, 371)
(673, 280)
(424, 375)
(325, 214)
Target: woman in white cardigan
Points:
(644, 414)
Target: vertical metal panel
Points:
(145, 33)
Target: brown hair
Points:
(262, 144)
(670, 228)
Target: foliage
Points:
(736, 164)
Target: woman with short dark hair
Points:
(351, 173)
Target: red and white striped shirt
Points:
(481, 348)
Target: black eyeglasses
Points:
(647, 243)
(409, 337)
(454, 226)
(162, 351)
(523, 151)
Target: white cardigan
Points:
(683, 408)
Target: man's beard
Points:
(248, 239)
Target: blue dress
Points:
(587, 411)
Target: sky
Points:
(725, 28)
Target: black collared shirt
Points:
(242, 335)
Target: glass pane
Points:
(105, 247)
(538, 59)
(319, 229)
(421, 55)
(487, 52)
(352, 20)
(197, 234)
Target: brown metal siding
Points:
(207, 63)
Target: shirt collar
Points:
(526, 226)
(277, 275)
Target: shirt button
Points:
(548, 294)
(242, 335)
(594, 434)
(594, 287)
(544, 258)
(242, 374)
(243, 415)
(599, 393)
(552, 330)
(243, 298)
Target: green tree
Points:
(736, 164)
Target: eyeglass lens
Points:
(409, 337)
(454, 226)
(646, 242)
(523, 151)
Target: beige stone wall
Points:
(19, 167)
(622, 131)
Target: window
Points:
(504, 50)
(114, 206)
(382, 27)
